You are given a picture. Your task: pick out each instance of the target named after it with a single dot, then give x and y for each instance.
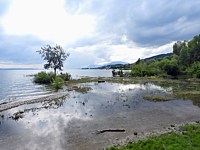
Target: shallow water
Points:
(17, 84)
(71, 123)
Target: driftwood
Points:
(110, 130)
(101, 81)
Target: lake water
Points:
(72, 123)
(16, 84)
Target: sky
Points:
(93, 31)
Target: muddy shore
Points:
(137, 125)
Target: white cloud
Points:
(95, 32)
(167, 48)
(47, 20)
(103, 53)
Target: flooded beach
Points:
(90, 120)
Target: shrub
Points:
(65, 76)
(58, 82)
(171, 69)
(44, 78)
(196, 69)
(198, 73)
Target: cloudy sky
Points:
(93, 31)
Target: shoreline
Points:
(13, 104)
(80, 125)
(135, 137)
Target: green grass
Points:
(82, 89)
(82, 80)
(187, 139)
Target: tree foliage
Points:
(55, 56)
(185, 61)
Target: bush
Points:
(65, 76)
(196, 69)
(172, 70)
(58, 82)
(198, 73)
(44, 78)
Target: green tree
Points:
(194, 49)
(184, 58)
(196, 69)
(138, 69)
(55, 56)
(178, 46)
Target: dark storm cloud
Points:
(146, 22)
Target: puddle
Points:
(71, 123)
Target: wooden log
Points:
(110, 130)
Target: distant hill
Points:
(91, 66)
(106, 66)
(124, 65)
(160, 56)
(115, 63)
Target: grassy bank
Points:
(187, 138)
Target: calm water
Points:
(71, 123)
(16, 84)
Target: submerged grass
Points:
(193, 95)
(182, 88)
(81, 80)
(133, 80)
(158, 98)
(83, 89)
(187, 139)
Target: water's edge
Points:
(13, 104)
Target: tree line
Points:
(185, 61)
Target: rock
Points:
(135, 133)
(172, 125)
(17, 115)
(2, 116)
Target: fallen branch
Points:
(110, 130)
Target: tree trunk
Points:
(55, 71)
